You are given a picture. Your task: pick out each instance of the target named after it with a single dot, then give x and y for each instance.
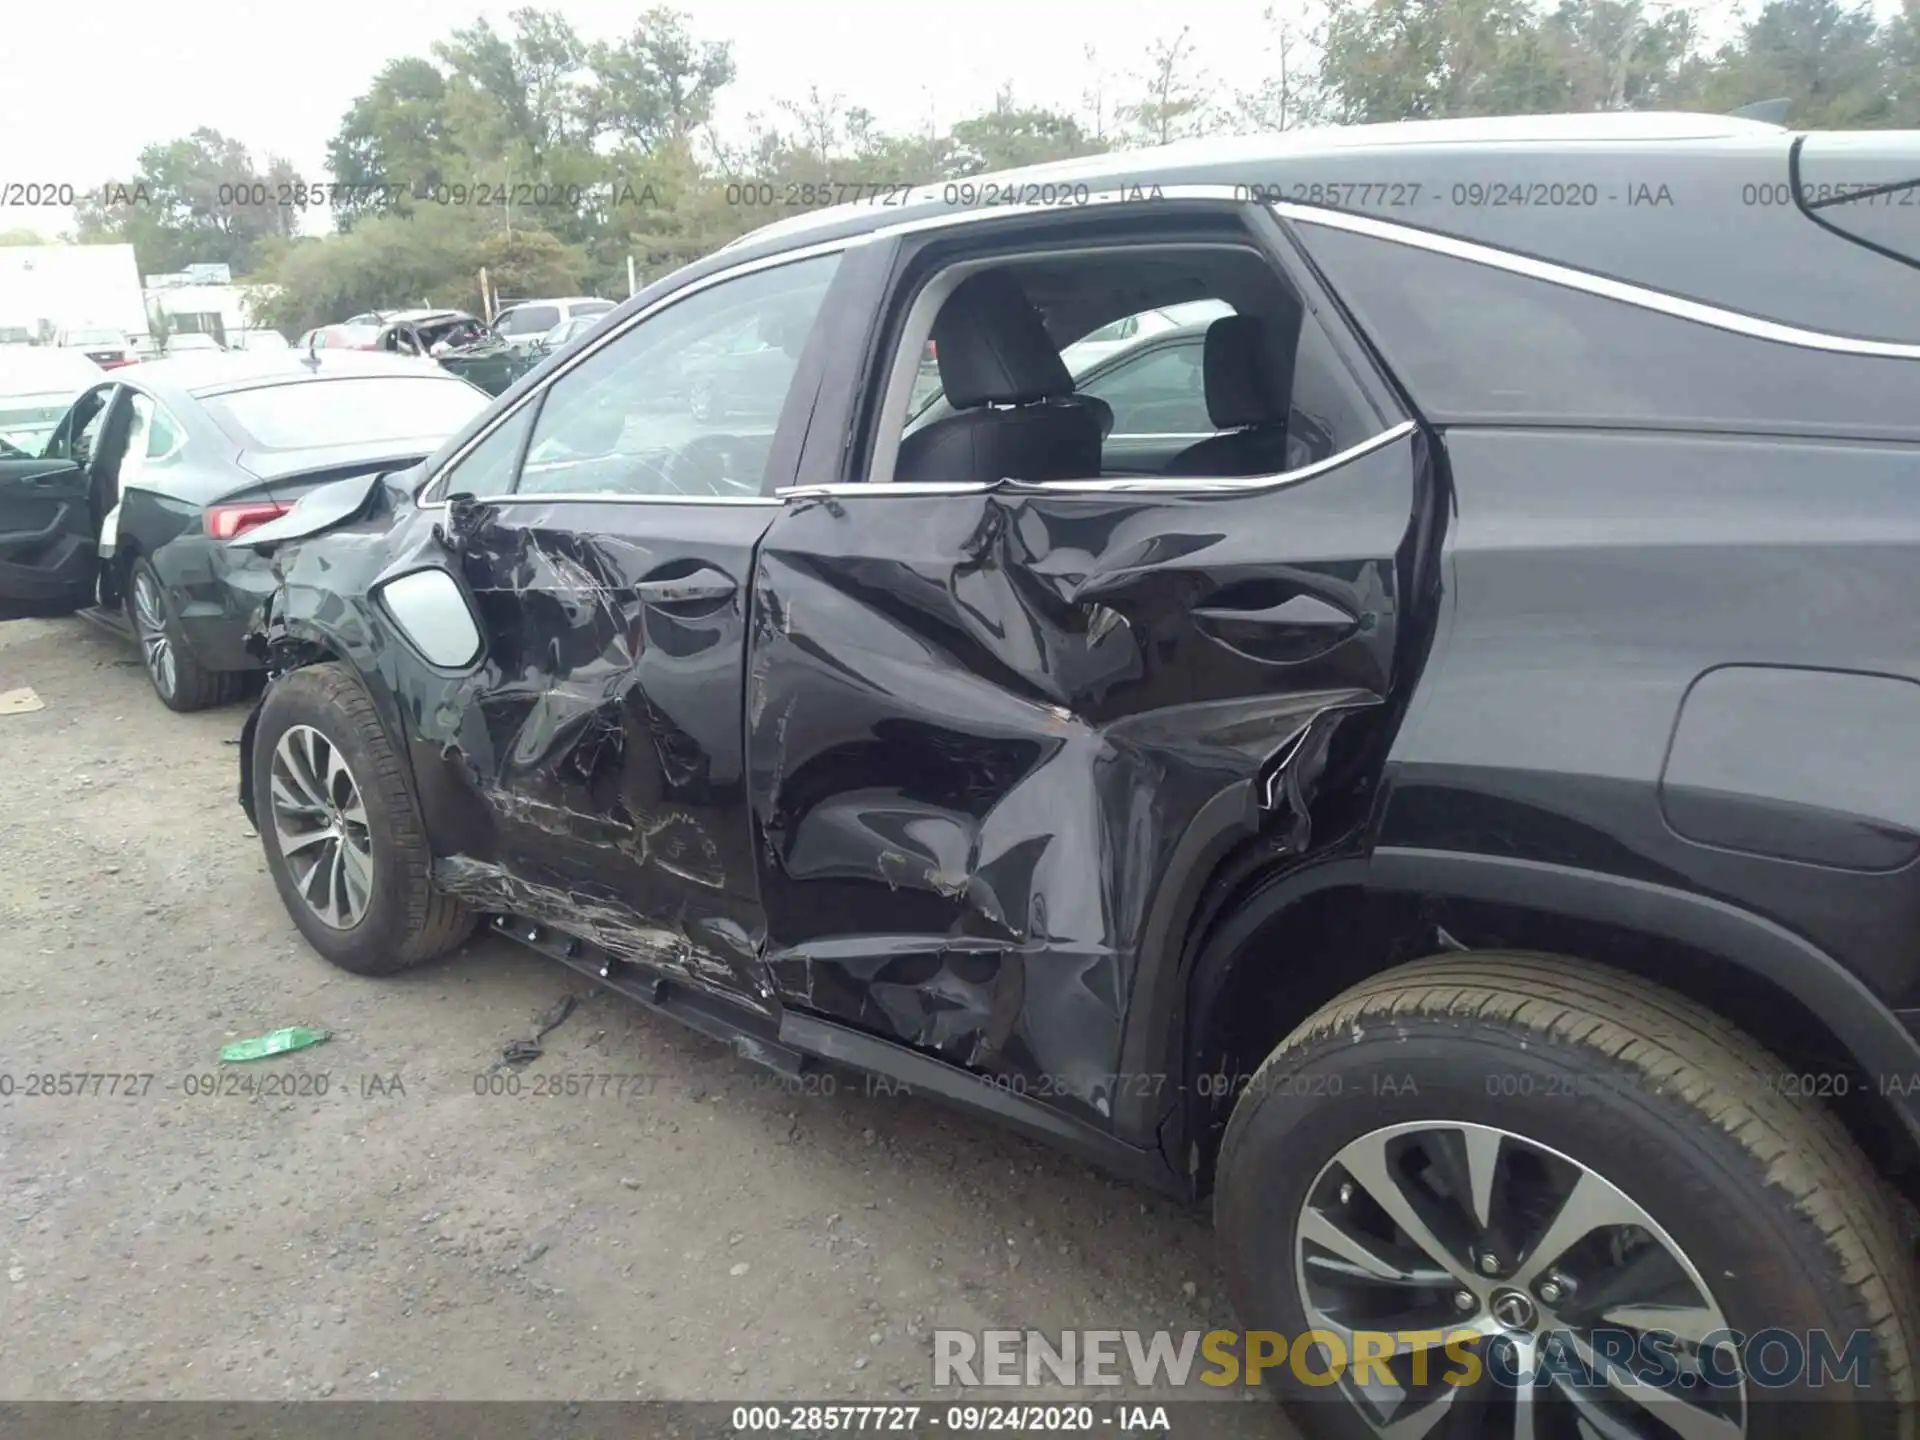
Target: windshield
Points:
(95, 337)
(366, 409)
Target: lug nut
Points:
(1550, 1291)
(1489, 1263)
(1346, 1192)
(1463, 1301)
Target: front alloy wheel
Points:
(320, 822)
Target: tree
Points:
(1174, 101)
(197, 199)
(1901, 46)
(1011, 135)
(1435, 59)
(1292, 95)
(1826, 59)
(385, 261)
(657, 86)
(395, 140)
(1616, 57)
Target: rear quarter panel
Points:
(1592, 580)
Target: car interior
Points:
(1008, 407)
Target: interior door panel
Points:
(48, 564)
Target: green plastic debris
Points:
(277, 1043)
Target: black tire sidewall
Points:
(375, 945)
(1762, 1260)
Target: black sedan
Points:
(129, 504)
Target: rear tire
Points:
(181, 682)
(1574, 1072)
(392, 917)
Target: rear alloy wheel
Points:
(180, 681)
(342, 832)
(1516, 1196)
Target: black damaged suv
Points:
(1434, 763)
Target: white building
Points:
(53, 287)
(204, 299)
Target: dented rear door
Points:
(990, 727)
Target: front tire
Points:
(181, 682)
(342, 832)
(1542, 1152)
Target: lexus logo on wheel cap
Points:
(1513, 1310)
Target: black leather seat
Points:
(1245, 399)
(1015, 414)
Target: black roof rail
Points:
(1773, 112)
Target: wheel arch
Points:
(286, 643)
(1340, 923)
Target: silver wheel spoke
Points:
(294, 844)
(1526, 1355)
(1691, 1323)
(1483, 1160)
(281, 787)
(356, 872)
(1672, 1406)
(1591, 1205)
(1366, 1160)
(1362, 1255)
(1421, 1422)
(1456, 1193)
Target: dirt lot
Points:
(706, 1236)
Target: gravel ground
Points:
(703, 1236)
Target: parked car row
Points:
(1419, 750)
(121, 490)
(491, 356)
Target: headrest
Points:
(1238, 373)
(993, 348)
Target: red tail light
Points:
(226, 521)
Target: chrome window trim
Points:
(591, 497)
(1123, 195)
(599, 342)
(1125, 485)
(1568, 277)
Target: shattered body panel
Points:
(983, 727)
(587, 772)
(938, 791)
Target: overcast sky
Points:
(88, 85)
(279, 78)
